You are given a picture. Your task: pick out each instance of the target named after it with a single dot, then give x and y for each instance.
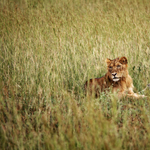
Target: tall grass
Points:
(48, 49)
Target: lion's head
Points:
(117, 68)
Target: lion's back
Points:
(96, 85)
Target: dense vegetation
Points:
(48, 49)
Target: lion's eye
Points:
(110, 67)
(118, 66)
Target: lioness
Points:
(117, 79)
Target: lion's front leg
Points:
(129, 93)
(132, 94)
(135, 95)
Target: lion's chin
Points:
(116, 79)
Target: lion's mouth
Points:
(115, 79)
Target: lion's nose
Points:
(114, 74)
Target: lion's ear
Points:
(123, 60)
(108, 61)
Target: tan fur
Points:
(117, 79)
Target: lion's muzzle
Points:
(115, 79)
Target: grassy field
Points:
(48, 49)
